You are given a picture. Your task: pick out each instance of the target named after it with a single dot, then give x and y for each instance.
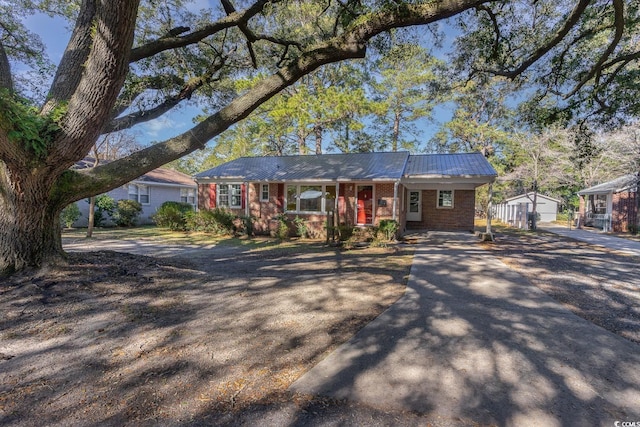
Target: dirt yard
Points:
(215, 336)
(118, 339)
(597, 284)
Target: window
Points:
(445, 198)
(599, 204)
(292, 198)
(264, 194)
(133, 192)
(310, 198)
(236, 195)
(139, 193)
(188, 195)
(143, 194)
(229, 195)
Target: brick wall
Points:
(460, 217)
(624, 210)
(384, 194)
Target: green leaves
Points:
(25, 127)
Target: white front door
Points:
(414, 208)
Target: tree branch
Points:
(570, 22)
(5, 70)
(350, 45)
(138, 87)
(103, 75)
(168, 42)
(187, 91)
(69, 72)
(618, 6)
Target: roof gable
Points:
(529, 195)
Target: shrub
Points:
(172, 215)
(127, 212)
(388, 228)
(301, 226)
(345, 232)
(105, 206)
(247, 223)
(282, 232)
(70, 214)
(217, 221)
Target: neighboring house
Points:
(611, 206)
(511, 211)
(419, 191)
(151, 190)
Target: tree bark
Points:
(29, 223)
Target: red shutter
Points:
(280, 199)
(243, 195)
(212, 196)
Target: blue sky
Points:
(55, 35)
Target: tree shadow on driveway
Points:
(475, 340)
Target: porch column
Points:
(247, 208)
(489, 235)
(395, 199)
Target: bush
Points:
(301, 226)
(247, 222)
(217, 221)
(172, 215)
(282, 232)
(127, 213)
(388, 228)
(345, 232)
(104, 207)
(70, 214)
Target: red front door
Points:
(365, 205)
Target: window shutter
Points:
(281, 196)
(212, 196)
(243, 195)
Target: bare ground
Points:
(597, 284)
(215, 337)
(121, 339)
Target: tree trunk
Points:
(317, 130)
(92, 214)
(29, 223)
(396, 132)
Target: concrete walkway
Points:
(619, 244)
(472, 341)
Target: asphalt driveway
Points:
(472, 340)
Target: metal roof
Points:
(444, 165)
(623, 183)
(351, 167)
(329, 167)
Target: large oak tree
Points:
(128, 61)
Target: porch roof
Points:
(623, 183)
(460, 165)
